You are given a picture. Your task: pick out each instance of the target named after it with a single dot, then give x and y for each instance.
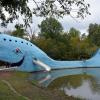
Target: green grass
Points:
(71, 80)
(7, 94)
(30, 89)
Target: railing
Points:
(2, 68)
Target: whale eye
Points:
(21, 41)
(15, 40)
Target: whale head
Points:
(19, 52)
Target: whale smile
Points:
(18, 63)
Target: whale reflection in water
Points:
(83, 83)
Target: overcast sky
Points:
(68, 22)
(82, 25)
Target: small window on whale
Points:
(10, 40)
(31, 44)
(15, 40)
(4, 39)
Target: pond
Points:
(83, 83)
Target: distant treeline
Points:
(60, 45)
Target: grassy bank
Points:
(16, 86)
(70, 81)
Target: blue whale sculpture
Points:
(28, 57)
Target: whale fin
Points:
(38, 62)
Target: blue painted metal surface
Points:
(13, 50)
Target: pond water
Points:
(82, 82)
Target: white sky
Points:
(82, 25)
(67, 22)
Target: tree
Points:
(74, 36)
(74, 33)
(56, 50)
(59, 8)
(70, 46)
(94, 33)
(19, 32)
(50, 28)
(87, 48)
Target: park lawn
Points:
(26, 89)
(7, 94)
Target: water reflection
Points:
(45, 78)
(81, 82)
(84, 91)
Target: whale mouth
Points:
(9, 64)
